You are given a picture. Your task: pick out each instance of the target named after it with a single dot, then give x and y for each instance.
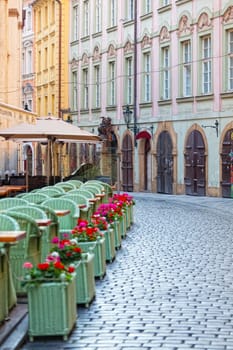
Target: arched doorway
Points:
(144, 160)
(227, 164)
(28, 161)
(195, 183)
(127, 164)
(164, 163)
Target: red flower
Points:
(43, 266)
(59, 265)
(71, 269)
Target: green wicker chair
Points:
(47, 232)
(86, 212)
(52, 191)
(65, 186)
(67, 222)
(7, 203)
(28, 249)
(35, 197)
(94, 202)
(8, 297)
(77, 183)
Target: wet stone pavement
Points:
(170, 286)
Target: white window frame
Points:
(130, 9)
(187, 68)
(166, 84)
(75, 90)
(147, 6)
(97, 85)
(112, 83)
(75, 22)
(147, 76)
(113, 13)
(230, 60)
(206, 57)
(86, 18)
(129, 79)
(98, 16)
(85, 75)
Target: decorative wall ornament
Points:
(164, 34)
(96, 54)
(105, 129)
(228, 15)
(85, 59)
(185, 28)
(111, 51)
(204, 22)
(74, 63)
(128, 47)
(146, 42)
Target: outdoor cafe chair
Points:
(35, 197)
(28, 249)
(60, 205)
(8, 297)
(7, 203)
(82, 202)
(40, 216)
(94, 202)
(77, 183)
(52, 191)
(65, 186)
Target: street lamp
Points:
(127, 113)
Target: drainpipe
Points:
(135, 71)
(59, 59)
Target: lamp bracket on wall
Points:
(215, 126)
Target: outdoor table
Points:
(9, 238)
(5, 191)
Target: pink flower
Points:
(27, 265)
(55, 240)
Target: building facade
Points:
(168, 65)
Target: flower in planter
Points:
(111, 211)
(85, 231)
(99, 221)
(51, 270)
(67, 250)
(123, 198)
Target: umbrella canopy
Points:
(49, 128)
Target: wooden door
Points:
(227, 165)
(127, 164)
(195, 183)
(165, 164)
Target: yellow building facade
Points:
(51, 23)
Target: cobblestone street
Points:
(170, 286)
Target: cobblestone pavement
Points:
(171, 285)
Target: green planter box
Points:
(85, 279)
(3, 284)
(98, 249)
(123, 225)
(52, 309)
(109, 244)
(117, 233)
(128, 216)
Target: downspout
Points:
(135, 72)
(59, 59)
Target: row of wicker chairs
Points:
(25, 210)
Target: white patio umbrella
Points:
(49, 129)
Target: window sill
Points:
(184, 99)
(85, 38)
(145, 104)
(204, 97)
(111, 108)
(95, 35)
(164, 102)
(84, 111)
(225, 95)
(112, 29)
(164, 8)
(146, 16)
(181, 2)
